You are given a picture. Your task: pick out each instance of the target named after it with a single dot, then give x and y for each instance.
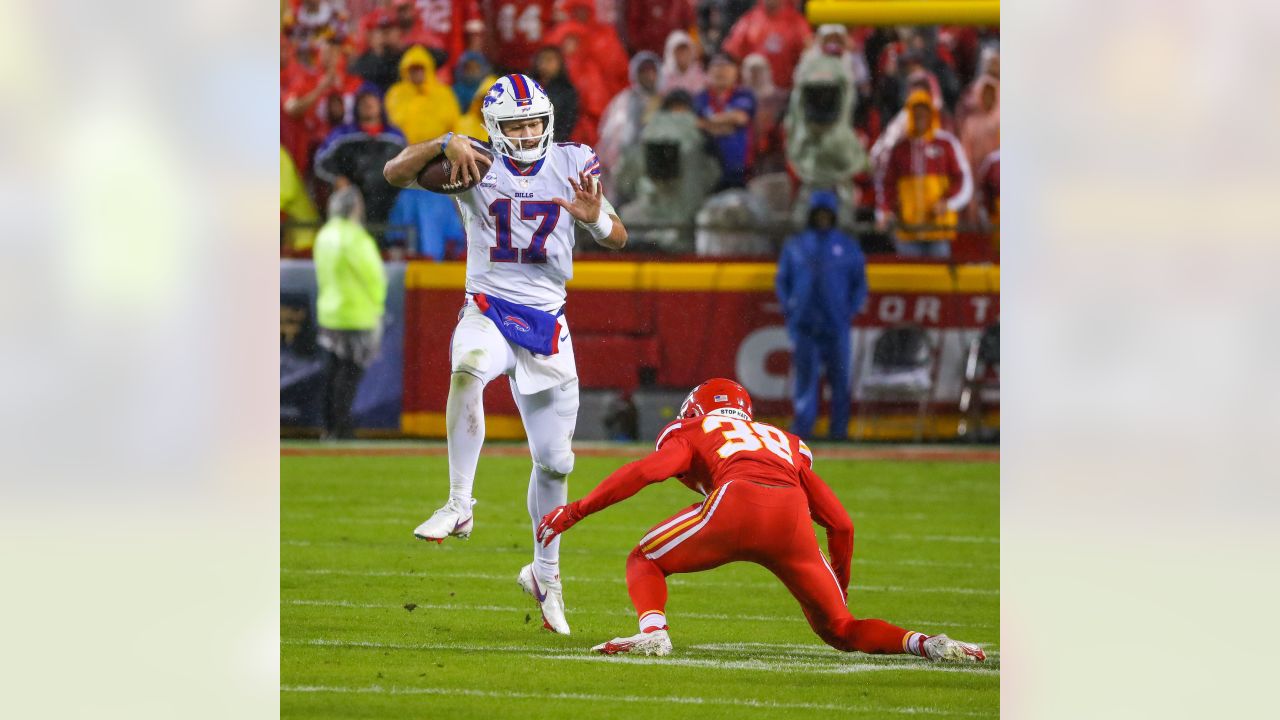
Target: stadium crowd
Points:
(716, 121)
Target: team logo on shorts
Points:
(512, 321)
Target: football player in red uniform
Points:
(761, 494)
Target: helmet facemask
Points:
(511, 146)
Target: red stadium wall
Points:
(688, 322)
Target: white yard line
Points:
(621, 612)
(598, 527)
(804, 666)
(407, 537)
(946, 538)
(801, 649)
(832, 662)
(622, 581)
(592, 697)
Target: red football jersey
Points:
(708, 451)
(726, 448)
(516, 30)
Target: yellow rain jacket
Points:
(923, 168)
(425, 111)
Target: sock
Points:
(653, 620)
(464, 430)
(913, 642)
(547, 491)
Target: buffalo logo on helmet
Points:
(494, 93)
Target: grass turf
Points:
(377, 624)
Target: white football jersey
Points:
(519, 241)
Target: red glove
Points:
(557, 521)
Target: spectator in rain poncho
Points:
(775, 29)
(572, 40)
(671, 171)
(988, 71)
(681, 66)
(979, 131)
(627, 114)
(419, 104)
(834, 40)
(295, 205)
(924, 184)
(822, 149)
(601, 44)
(771, 105)
(897, 128)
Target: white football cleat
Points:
(657, 642)
(550, 597)
(941, 648)
(451, 520)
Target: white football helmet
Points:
(517, 97)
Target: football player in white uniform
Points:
(520, 222)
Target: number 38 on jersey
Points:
(741, 436)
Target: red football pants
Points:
(767, 525)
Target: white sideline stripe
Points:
(622, 581)
(662, 700)
(619, 613)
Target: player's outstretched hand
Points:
(557, 521)
(464, 161)
(587, 197)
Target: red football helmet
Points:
(717, 394)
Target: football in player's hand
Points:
(435, 176)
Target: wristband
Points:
(445, 142)
(601, 228)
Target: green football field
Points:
(377, 624)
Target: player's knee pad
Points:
(559, 465)
(474, 362)
(462, 382)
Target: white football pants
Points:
(480, 354)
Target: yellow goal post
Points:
(904, 12)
